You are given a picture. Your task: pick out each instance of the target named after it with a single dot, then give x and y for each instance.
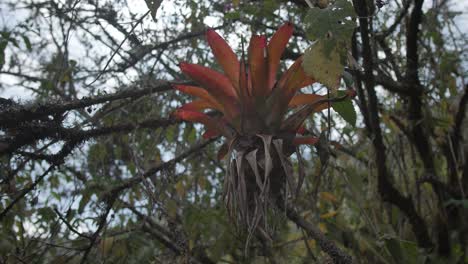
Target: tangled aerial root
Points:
(259, 175)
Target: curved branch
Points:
(25, 191)
(387, 191)
(151, 171)
(32, 133)
(12, 116)
(459, 117)
(338, 256)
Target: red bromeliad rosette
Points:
(248, 94)
(254, 105)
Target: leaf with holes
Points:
(325, 67)
(336, 21)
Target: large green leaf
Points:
(345, 109)
(331, 28)
(334, 23)
(325, 67)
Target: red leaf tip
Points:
(176, 87)
(301, 130)
(260, 40)
(288, 25)
(182, 64)
(263, 41)
(305, 140)
(351, 93)
(210, 33)
(176, 114)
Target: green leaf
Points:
(27, 42)
(171, 133)
(325, 67)
(46, 213)
(232, 15)
(332, 29)
(334, 22)
(410, 251)
(462, 203)
(336, 18)
(348, 79)
(345, 109)
(393, 247)
(5, 36)
(84, 201)
(72, 63)
(153, 6)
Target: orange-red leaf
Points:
(301, 130)
(305, 140)
(294, 79)
(291, 81)
(211, 133)
(216, 84)
(258, 65)
(294, 121)
(197, 105)
(210, 123)
(214, 126)
(224, 55)
(303, 99)
(197, 117)
(200, 93)
(351, 93)
(275, 49)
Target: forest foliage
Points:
(97, 166)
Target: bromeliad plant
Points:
(254, 105)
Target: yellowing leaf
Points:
(388, 122)
(329, 215)
(336, 19)
(106, 245)
(171, 207)
(328, 197)
(323, 227)
(322, 65)
(180, 188)
(202, 183)
(191, 244)
(312, 243)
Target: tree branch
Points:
(25, 191)
(397, 21)
(338, 256)
(128, 183)
(11, 116)
(387, 191)
(459, 117)
(32, 132)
